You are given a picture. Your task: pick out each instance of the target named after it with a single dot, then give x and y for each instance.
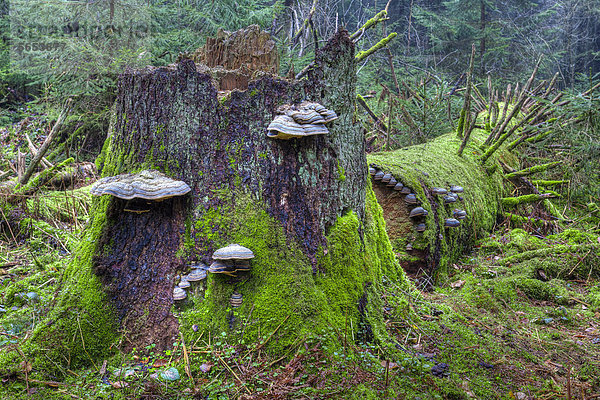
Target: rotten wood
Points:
(46, 144)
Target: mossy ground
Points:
(501, 330)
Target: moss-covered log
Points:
(437, 165)
(303, 206)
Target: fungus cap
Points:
(233, 252)
(285, 127)
(411, 198)
(184, 283)
(196, 275)
(147, 184)
(236, 299)
(179, 293)
(418, 212)
(451, 223)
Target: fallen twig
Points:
(44, 147)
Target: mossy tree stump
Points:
(304, 206)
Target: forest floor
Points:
(502, 326)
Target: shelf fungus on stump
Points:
(231, 259)
(236, 299)
(411, 198)
(305, 119)
(459, 214)
(147, 185)
(179, 294)
(418, 212)
(196, 275)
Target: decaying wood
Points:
(379, 17)
(46, 144)
(379, 45)
(532, 170)
(34, 151)
(526, 198)
(232, 58)
(306, 23)
(364, 105)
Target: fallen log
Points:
(425, 169)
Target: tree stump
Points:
(303, 206)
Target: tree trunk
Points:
(303, 206)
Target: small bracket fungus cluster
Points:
(231, 259)
(147, 185)
(418, 213)
(236, 299)
(387, 179)
(305, 119)
(197, 274)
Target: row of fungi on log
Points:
(417, 212)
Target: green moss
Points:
(510, 202)
(282, 289)
(341, 172)
(593, 297)
(80, 328)
(538, 290)
(61, 205)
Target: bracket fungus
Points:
(451, 223)
(236, 299)
(411, 198)
(305, 119)
(196, 275)
(184, 283)
(459, 214)
(450, 199)
(418, 212)
(231, 259)
(405, 190)
(179, 294)
(148, 185)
